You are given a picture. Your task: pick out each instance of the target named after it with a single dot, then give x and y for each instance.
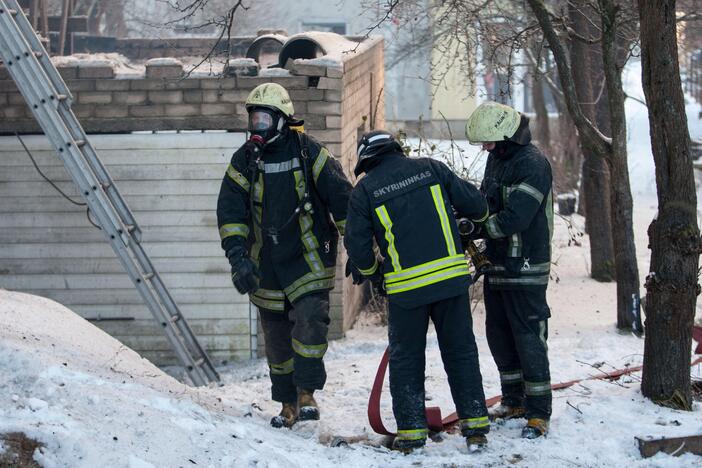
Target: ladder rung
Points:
(80, 143)
(62, 97)
(148, 276)
(106, 185)
(11, 11)
(199, 362)
(130, 227)
(174, 318)
(38, 54)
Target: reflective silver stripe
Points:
(309, 351)
(283, 368)
(536, 268)
(528, 189)
(274, 294)
(542, 333)
(268, 304)
(515, 245)
(493, 229)
(511, 376)
(537, 388)
(319, 163)
(228, 230)
(424, 268)
(525, 280)
(237, 177)
(285, 166)
(474, 423)
(412, 434)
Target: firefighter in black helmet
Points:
(517, 184)
(281, 206)
(407, 206)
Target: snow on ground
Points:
(92, 401)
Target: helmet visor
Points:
(260, 121)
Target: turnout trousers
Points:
(517, 329)
(407, 330)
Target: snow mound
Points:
(274, 72)
(164, 61)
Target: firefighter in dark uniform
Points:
(517, 185)
(407, 206)
(281, 207)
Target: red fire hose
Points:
(433, 414)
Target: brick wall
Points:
(335, 102)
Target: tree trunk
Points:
(627, 270)
(672, 284)
(595, 173)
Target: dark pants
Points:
(407, 330)
(516, 328)
(296, 341)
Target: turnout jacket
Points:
(288, 205)
(407, 205)
(517, 185)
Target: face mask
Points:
(265, 124)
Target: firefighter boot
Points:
(476, 442)
(505, 412)
(309, 411)
(535, 428)
(407, 446)
(287, 416)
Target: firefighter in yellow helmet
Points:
(281, 208)
(517, 185)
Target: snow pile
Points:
(164, 61)
(327, 61)
(93, 402)
(274, 72)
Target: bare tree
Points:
(612, 18)
(672, 283)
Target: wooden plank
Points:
(122, 173)
(126, 188)
(70, 219)
(88, 265)
(110, 281)
(136, 141)
(89, 234)
(137, 203)
(190, 311)
(127, 157)
(103, 250)
(118, 297)
(149, 327)
(675, 446)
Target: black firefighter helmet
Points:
(372, 145)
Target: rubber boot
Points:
(287, 416)
(535, 428)
(309, 411)
(506, 412)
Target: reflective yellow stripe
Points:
(269, 304)
(528, 189)
(319, 163)
(441, 211)
(341, 226)
(511, 376)
(274, 294)
(426, 280)
(258, 215)
(492, 228)
(425, 268)
(309, 240)
(283, 368)
(474, 423)
(228, 230)
(412, 434)
(309, 351)
(482, 220)
(371, 270)
(313, 281)
(237, 177)
(384, 218)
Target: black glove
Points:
(353, 271)
(378, 283)
(244, 272)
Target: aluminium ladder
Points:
(50, 101)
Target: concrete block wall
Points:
(335, 101)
